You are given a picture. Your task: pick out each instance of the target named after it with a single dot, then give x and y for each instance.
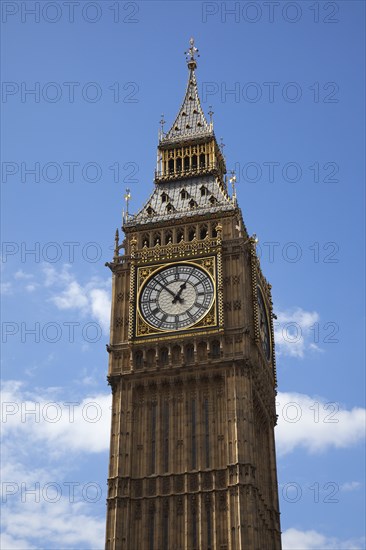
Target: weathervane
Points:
(191, 55)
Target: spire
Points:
(191, 121)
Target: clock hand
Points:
(177, 296)
(182, 287)
(170, 291)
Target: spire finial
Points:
(233, 181)
(161, 132)
(116, 242)
(162, 122)
(210, 112)
(127, 199)
(222, 145)
(191, 54)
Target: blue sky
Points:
(286, 83)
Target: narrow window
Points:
(189, 353)
(166, 435)
(193, 441)
(165, 530)
(209, 528)
(138, 359)
(194, 530)
(164, 356)
(171, 165)
(150, 357)
(153, 438)
(145, 239)
(215, 348)
(151, 530)
(202, 351)
(176, 355)
(233, 537)
(207, 434)
(186, 163)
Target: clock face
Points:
(264, 331)
(176, 297)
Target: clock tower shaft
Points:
(191, 361)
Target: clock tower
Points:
(191, 360)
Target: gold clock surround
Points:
(144, 273)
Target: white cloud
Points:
(92, 299)
(294, 539)
(57, 423)
(31, 515)
(10, 542)
(20, 274)
(89, 381)
(101, 306)
(316, 425)
(39, 507)
(53, 277)
(62, 524)
(31, 287)
(350, 486)
(296, 332)
(88, 376)
(73, 296)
